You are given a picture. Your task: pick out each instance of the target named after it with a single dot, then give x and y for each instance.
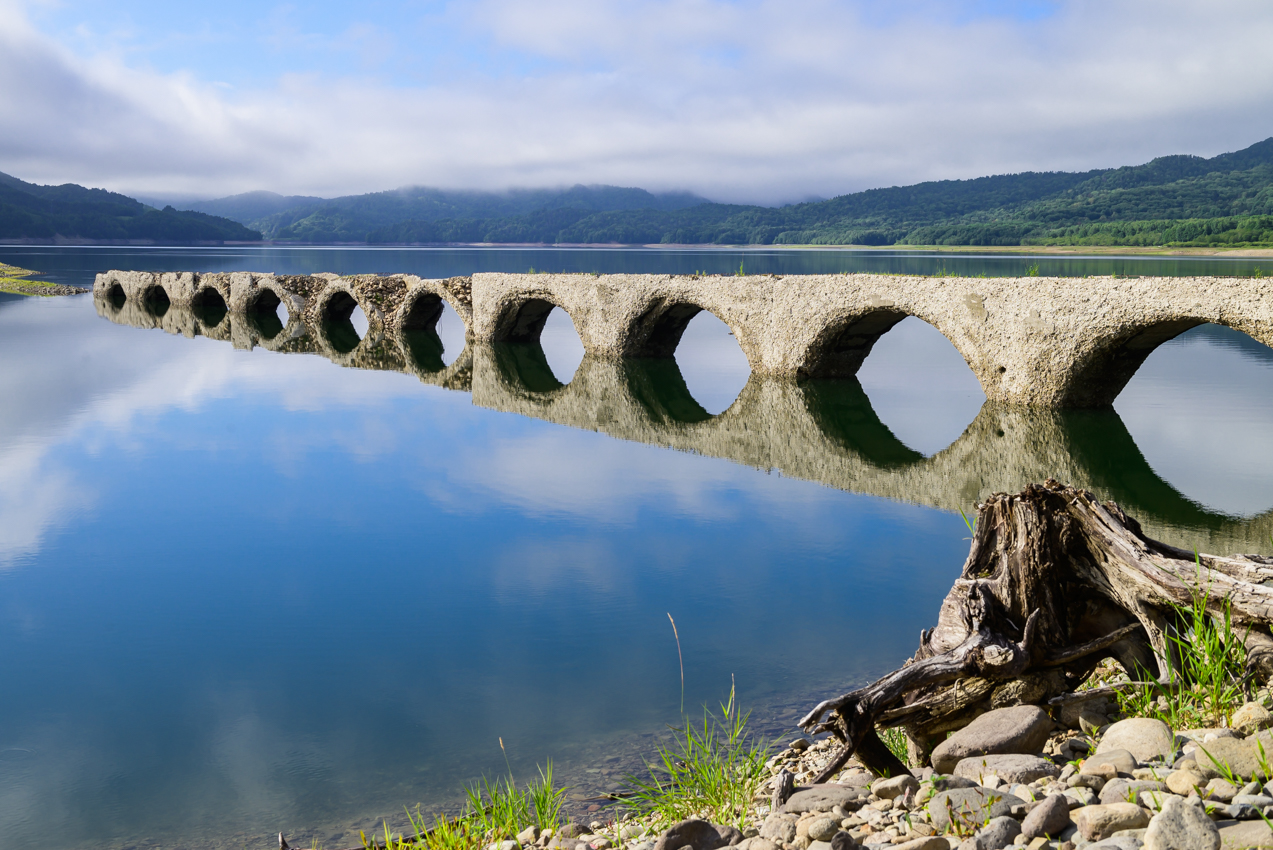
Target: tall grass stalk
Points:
(712, 770)
(680, 658)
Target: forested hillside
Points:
(1173, 200)
(353, 218)
(71, 212)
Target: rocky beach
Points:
(1015, 777)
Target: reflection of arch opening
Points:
(155, 298)
(424, 349)
(561, 345)
(658, 386)
(433, 334)
(844, 414)
(524, 366)
(209, 306)
(336, 317)
(115, 295)
(920, 385)
(711, 361)
(1201, 407)
(263, 314)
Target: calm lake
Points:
(244, 592)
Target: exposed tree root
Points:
(1054, 583)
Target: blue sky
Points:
(755, 100)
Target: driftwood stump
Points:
(1055, 582)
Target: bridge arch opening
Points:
(115, 295)
(524, 366)
(541, 323)
(155, 299)
(344, 322)
(209, 306)
(1224, 462)
(266, 313)
(918, 383)
(433, 331)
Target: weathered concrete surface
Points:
(389, 302)
(1044, 342)
(404, 351)
(823, 431)
(1051, 342)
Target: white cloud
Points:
(746, 101)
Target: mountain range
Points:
(1177, 200)
(29, 212)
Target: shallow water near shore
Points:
(244, 592)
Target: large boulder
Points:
(1019, 729)
(1236, 756)
(1118, 761)
(1009, 767)
(895, 786)
(1144, 737)
(823, 798)
(779, 828)
(1182, 825)
(1251, 718)
(1127, 790)
(1051, 817)
(695, 834)
(998, 833)
(1097, 822)
(971, 807)
(1243, 835)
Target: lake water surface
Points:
(244, 592)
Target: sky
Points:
(738, 100)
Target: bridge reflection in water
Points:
(819, 430)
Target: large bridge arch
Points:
(843, 341)
(658, 327)
(1109, 362)
(520, 318)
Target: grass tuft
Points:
(895, 740)
(495, 811)
(712, 771)
(1209, 679)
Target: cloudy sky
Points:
(741, 100)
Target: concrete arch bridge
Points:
(821, 431)
(1034, 341)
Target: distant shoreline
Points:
(1023, 250)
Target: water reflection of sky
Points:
(256, 592)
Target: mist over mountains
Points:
(355, 218)
(1172, 200)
